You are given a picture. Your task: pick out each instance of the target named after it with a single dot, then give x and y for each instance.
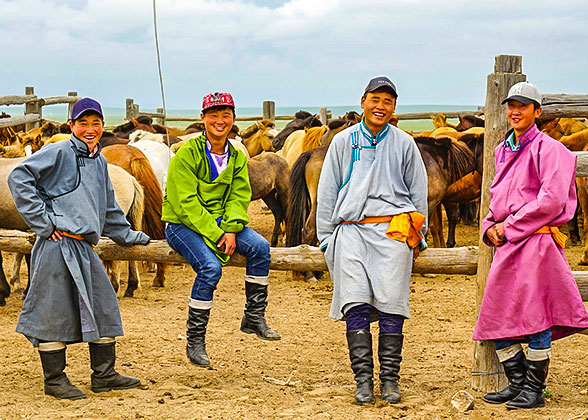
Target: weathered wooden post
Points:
(160, 120)
(269, 110)
(487, 373)
(70, 105)
(323, 115)
(130, 109)
(32, 107)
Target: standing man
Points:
(372, 208)
(530, 295)
(64, 193)
(205, 207)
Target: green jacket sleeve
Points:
(235, 216)
(187, 207)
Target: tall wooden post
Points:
(269, 110)
(160, 120)
(487, 373)
(130, 109)
(32, 107)
(70, 105)
(323, 115)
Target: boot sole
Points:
(510, 407)
(111, 388)
(250, 331)
(78, 397)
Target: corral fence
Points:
(487, 373)
(33, 113)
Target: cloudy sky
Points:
(295, 52)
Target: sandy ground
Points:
(313, 353)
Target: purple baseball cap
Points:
(85, 105)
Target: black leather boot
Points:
(104, 378)
(532, 394)
(253, 318)
(56, 382)
(515, 369)
(196, 332)
(390, 356)
(362, 365)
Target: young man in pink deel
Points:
(531, 295)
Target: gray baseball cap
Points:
(525, 93)
(379, 82)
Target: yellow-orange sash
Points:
(558, 237)
(404, 227)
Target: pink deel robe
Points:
(530, 286)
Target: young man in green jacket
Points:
(205, 207)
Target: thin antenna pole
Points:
(159, 69)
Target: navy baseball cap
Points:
(381, 82)
(85, 105)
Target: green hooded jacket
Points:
(192, 199)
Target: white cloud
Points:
(296, 52)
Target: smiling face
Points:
(521, 116)
(378, 107)
(218, 123)
(88, 128)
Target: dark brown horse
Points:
(468, 121)
(132, 160)
(269, 176)
(302, 120)
(142, 122)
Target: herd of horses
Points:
(284, 169)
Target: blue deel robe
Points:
(70, 298)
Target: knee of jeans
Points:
(262, 248)
(211, 269)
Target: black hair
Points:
(219, 108)
(382, 89)
(536, 105)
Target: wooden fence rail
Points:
(462, 260)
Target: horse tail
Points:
(298, 201)
(135, 215)
(312, 138)
(152, 224)
(460, 160)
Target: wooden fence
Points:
(33, 113)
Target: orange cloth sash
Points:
(70, 235)
(558, 237)
(404, 227)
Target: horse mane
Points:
(249, 131)
(456, 156)
(302, 115)
(334, 124)
(197, 126)
(144, 119)
(312, 137)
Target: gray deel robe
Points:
(70, 297)
(385, 179)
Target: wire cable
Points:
(160, 73)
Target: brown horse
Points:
(269, 176)
(142, 122)
(136, 163)
(468, 121)
(302, 119)
(259, 137)
(446, 160)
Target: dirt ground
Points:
(312, 353)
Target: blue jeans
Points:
(206, 264)
(537, 341)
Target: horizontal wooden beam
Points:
(29, 118)
(52, 100)
(17, 99)
(463, 260)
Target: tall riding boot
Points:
(196, 348)
(362, 365)
(390, 356)
(532, 394)
(104, 378)
(253, 318)
(56, 382)
(515, 369)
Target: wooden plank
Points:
(564, 111)
(52, 100)
(9, 122)
(17, 99)
(581, 166)
(512, 64)
(427, 115)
